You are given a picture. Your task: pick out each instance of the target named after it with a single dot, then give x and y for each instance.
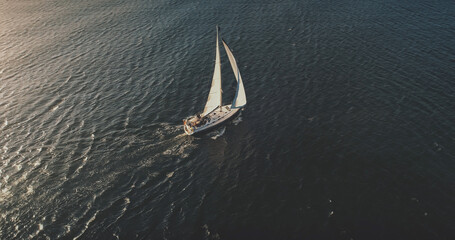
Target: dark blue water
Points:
(349, 130)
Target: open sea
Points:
(348, 133)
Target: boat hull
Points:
(216, 119)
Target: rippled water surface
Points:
(349, 130)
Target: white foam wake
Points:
(217, 133)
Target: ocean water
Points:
(349, 130)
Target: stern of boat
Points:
(187, 128)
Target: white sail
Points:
(214, 99)
(240, 97)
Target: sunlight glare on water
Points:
(348, 132)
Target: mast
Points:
(218, 54)
(214, 99)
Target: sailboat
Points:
(215, 113)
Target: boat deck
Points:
(215, 118)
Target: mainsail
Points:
(214, 99)
(240, 97)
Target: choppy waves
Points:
(349, 116)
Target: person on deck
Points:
(198, 119)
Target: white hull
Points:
(214, 119)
